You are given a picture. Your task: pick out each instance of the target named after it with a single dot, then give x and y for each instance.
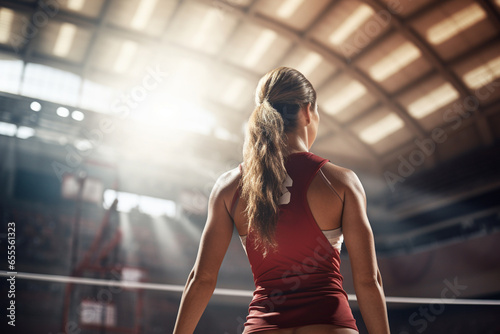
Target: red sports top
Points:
(300, 284)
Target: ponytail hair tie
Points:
(266, 103)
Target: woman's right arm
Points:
(360, 245)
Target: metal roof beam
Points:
(431, 56)
(491, 11)
(329, 56)
(296, 40)
(250, 10)
(101, 22)
(334, 124)
(489, 110)
(337, 128)
(451, 63)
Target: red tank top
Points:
(300, 284)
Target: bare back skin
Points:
(325, 197)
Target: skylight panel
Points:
(126, 54)
(261, 45)
(288, 8)
(8, 129)
(395, 61)
(25, 132)
(64, 39)
(381, 129)
(50, 84)
(455, 24)
(309, 63)
(434, 100)
(483, 74)
(75, 4)
(6, 18)
(344, 97)
(351, 24)
(209, 21)
(143, 14)
(11, 70)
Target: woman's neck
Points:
(297, 142)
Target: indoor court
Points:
(117, 117)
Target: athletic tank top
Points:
(300, 284)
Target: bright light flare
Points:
(7, 129)
(62, 112)
(234, 90)
(25, 132)
(35, 106)
(78, 115)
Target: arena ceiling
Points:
(177, 78)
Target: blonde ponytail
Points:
(264, 170)
(280, 95)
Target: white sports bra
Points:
(335, 237)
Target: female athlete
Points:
(292, 209)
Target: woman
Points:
(292, 210)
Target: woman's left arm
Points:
(201, 282)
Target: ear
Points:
(307, 113)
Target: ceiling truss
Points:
(99, 26)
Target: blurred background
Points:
(145, 102)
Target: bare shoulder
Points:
(345, 180)
(226, 185)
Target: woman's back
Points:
(299, 283)
(290, 206)
(324, 197)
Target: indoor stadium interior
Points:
(118, 116)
